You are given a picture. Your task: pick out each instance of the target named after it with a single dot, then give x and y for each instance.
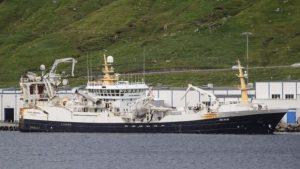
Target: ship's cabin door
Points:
(9, 115)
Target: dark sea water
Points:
(145, 151)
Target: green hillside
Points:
(169, 33)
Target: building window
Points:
(289, 96)
(275, 96)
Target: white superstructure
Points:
(112, 93)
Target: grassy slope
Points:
(173, 33)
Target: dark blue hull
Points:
(248, 124)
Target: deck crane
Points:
(52, 78)
(52, 72)
(213, 99)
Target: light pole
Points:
(247, 34)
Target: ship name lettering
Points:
(224, 119)
(34, 127)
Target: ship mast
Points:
(243, 87)
(109, 76)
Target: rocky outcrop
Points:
(284, 127)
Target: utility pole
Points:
(247, 34)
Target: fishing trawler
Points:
(112, 105)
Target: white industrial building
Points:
(9, 104)
(284, 94)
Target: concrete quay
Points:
(9, 126)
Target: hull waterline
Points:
(249, 124)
